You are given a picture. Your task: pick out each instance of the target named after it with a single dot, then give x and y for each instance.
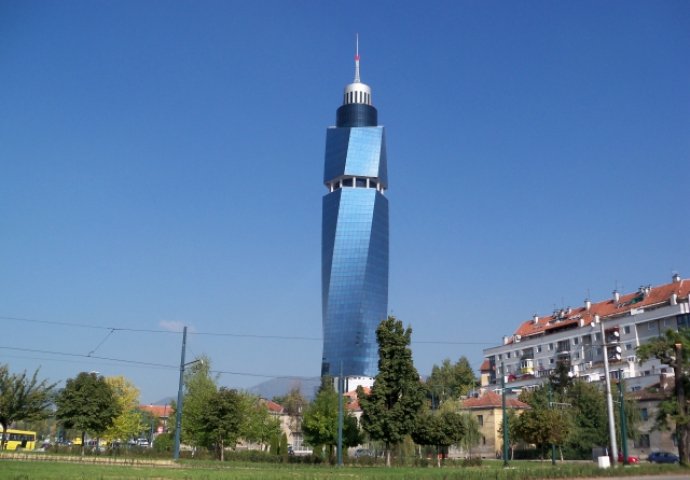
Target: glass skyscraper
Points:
(354, 236)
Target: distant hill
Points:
(281, 386)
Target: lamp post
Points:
(624, 426)
(505, 417)
(609, 400)
(681, 433)
(341, 387)
(178, 420)
(553, 445)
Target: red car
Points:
(631, 459)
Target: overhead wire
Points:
(101, 342)
(79, 355)
(222, 334)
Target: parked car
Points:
(631, 458)
(363, 452)
(663, 457)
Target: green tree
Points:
(389, 412)
(471, 432)
(586, 404)
(561, 377)
(542, 424)
(439, 429)
(128, 423)
(22, 398)
(87, 404)
(199, 390)
(223, 420)
(450, 381)
(320, 421)
(293, 403)
(260, 426)
(673, 349)
(513, 439)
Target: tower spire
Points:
(357, 80)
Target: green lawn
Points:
(30, 470)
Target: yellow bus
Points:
(19, 439)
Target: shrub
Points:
(163, 443)
(472, 462)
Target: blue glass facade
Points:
(354, 242)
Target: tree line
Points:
(400, 407)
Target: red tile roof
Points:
(352, 402)
(609, 308)
(160, 411)
(491, 399)
(486, 366)
(272, 406)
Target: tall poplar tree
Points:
(390, 411)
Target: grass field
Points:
(191, 470)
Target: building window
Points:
(508, 355)
(577, 355)
(643, 441)
(551, 361)
(480, 419)
(362, 182)
(644, 413)
(483, 440)
(538, 348)
(626, 329)
(576, 341)
(628, 346)
(650, 326)
(550, 347)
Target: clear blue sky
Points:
(161, 164)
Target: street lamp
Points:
(680, 398)
(609, 400)
(505, 417)
(624, 429)
(178, 421)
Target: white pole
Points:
(609, 400)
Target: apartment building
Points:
(576, 336)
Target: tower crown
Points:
(357, 92)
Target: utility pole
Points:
(341, 387)
(624, 426)
(178, 421)
(553, 445)
(609, 400)
(505, 416)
